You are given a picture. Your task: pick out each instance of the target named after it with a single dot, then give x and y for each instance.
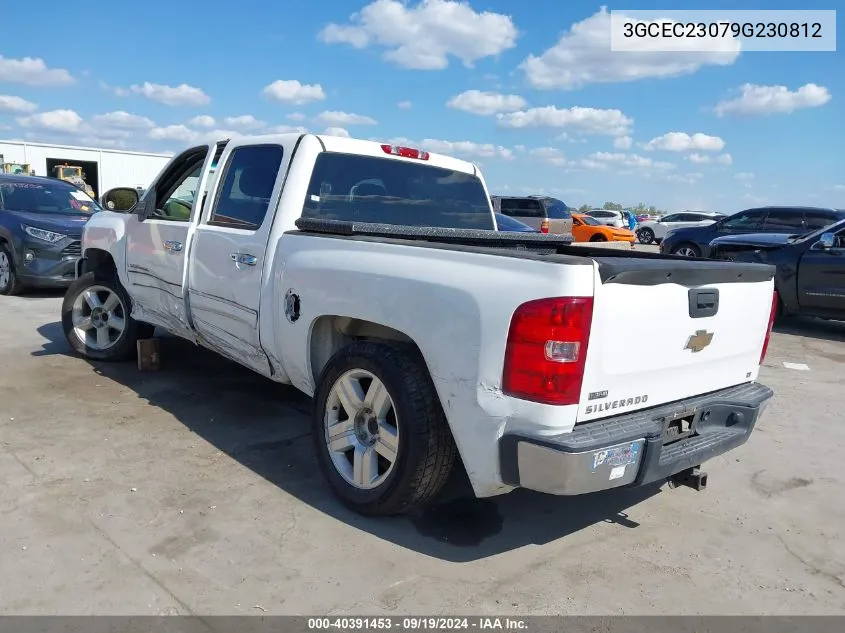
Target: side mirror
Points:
(120, 199)
(826, 241)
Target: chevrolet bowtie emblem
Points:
(699, 341)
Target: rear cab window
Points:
(354, 187)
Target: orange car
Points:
(586, 228)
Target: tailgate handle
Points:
(703, 302)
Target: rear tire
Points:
(96, 318)
(392, 451)
(9, 282)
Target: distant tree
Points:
(585, 208)
(612, 206)
(640, 209)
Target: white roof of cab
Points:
(360, 146)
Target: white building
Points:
(104, 168)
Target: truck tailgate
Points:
(664, 330)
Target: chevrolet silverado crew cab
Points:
(372, 278)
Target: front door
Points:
(229, 252)
(156, 247)
(821, 279)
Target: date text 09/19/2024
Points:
(417, 623)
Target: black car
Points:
(695, 241)
(810, 268)
(41, 221)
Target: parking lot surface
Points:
(194, 489)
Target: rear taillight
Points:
(546, 350)
(544, 226)
(772, 316)
(405, 152)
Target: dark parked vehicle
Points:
(695, 241)
(41, 221)
(511, 225)
(809, 269)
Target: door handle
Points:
(244, 258)
(173, 246)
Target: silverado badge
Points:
(699, 341)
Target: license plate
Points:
(616, 456)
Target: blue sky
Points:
(529, 90)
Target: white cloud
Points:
(585, 120)
(9, 103)
(765, 100)
(203, 120)
(582, 56)
(629, 160)
(550, 155)
(839, 187)
(121, 120)
(336, 131)
(180, 133)
(55, 121)
(32, 71)
(683, 142)
(292, 91)
(244, 122)
(285, 129)
(330, 117)
(623, 142)
(181, 95)
(404, 105)
(424, 36)
(744, 176)
(687, 179)
(486, 103)
(296, 116)
(701, 159)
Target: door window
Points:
(557, 209)
(784, 221)
(743, 222)
(814, 221)
(509, 206)
(248, 182)
(176, 189)
(529, 208)
(672, 218)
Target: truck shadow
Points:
(266, 427)
(809, 327)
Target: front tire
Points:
(645, 236)
(686, 250)
(598, 237)
(380, 434)
(96, 319)
(9, 282)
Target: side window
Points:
(749, 220)
(175, 190)
(815, 221)
(672, 218)
(509, 207)
(784, 221)
(247, 185)
(531, 208)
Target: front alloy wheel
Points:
(98, 317)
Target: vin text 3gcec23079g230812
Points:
(372, 277)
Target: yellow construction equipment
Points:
(74, 175)
(16, 168)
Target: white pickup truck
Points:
(372, 278)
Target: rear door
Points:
(701, 332)
(227, 263)
(821, 279)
